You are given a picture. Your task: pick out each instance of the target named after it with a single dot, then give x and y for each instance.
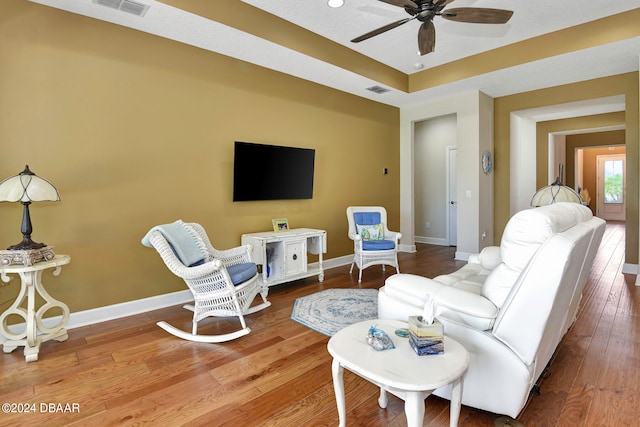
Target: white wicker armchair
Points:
(212, 282)
(381, 249)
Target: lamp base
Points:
(26, 245)
(26, 257)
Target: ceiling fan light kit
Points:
(425, 10)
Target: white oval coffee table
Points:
(399, 371)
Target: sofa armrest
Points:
(490, 257)
(474, 259)
(411, 290)
(472, 309)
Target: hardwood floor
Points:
(130, 372)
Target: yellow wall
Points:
(593, 145)
(135, 130)
(624, 84)
(590, 169)
(543, 129)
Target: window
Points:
(613, 184)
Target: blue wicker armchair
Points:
(373, 243)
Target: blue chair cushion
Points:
(378, 245)
(366, 218)
(240, 273)
(195, 264)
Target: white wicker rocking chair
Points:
(211, 283)
(372, 250)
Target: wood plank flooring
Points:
(130, 372)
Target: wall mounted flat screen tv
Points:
(272, 172)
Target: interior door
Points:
(452, 189)
(612, 185)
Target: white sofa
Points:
(510, 305)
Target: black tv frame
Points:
(272, 172)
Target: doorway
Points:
(452, 196)
(611, 187)
(433, 140)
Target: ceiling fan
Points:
(425, 10)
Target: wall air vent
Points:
(128, 6)
(378, 89)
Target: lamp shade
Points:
(27, 187)
(554, 193)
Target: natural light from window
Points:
(613, 174)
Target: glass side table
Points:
(35, 332)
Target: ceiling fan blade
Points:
(382, 30)
(442, 3)
(402, 3)
(477, 15)
(426, 37)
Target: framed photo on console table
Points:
(280, 224)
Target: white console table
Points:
(283, 255)
(31, 286)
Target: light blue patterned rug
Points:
(330, 310)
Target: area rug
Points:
(330, 310)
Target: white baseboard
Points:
(407, 248)
(432, 240)
(336, 262)
(112, 312)
(130, 308)
(630, 268)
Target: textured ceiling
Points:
(312, 41)
(398, 47)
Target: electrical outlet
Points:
(427, 225)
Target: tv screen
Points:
(272, 172)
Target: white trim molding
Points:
(462, 256)
(407, 248)
(130, 308)
(630, 268)
(112, 312)
(438, 241)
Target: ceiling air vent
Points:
(378, 89)
(128, 6)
